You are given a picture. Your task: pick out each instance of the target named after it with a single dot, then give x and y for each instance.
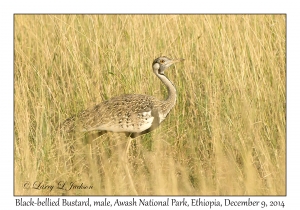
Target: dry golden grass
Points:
(225, 136)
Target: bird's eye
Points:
(162, 61)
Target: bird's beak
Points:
(177, 60)
(171, 62)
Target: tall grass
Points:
(225, 136)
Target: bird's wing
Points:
(127, 113)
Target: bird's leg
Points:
(89, 137)
(126, 165)
(128, 146)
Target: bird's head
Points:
(160, 64)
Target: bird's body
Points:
(133, 114)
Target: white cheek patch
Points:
(156, 66)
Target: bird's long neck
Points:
(169, 103)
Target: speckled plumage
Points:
(133, 114)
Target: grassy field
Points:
(225, 136)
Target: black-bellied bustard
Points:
(133, 114)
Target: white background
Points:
(9, 8)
